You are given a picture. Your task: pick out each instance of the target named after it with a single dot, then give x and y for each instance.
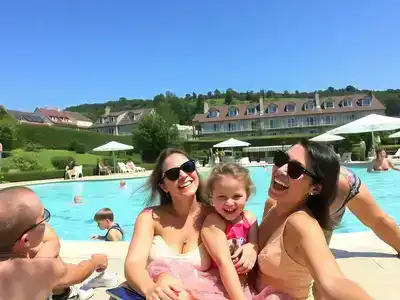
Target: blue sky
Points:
(69, 52)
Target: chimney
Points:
(107, 110)
(261, 104)
(206, 107)
(317, 102)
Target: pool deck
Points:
(361, 256)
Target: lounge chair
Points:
(77, 172)
(244, 161)
(103, 169)
(396, 155)
(133, 168)
(123, 168)
(270, 160)
(346, 157)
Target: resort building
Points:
(56, 116)
(283, 117)
(27, 117)
(119, 123)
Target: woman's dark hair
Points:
(324, 164)
(153, 182)
(377, 151)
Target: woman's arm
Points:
(306, 232)
(214, 238)
(365, 208)
(138, 253)
(392, 165)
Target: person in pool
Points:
(381, 162)
(105, 220)
(352, 193)
(290, 235)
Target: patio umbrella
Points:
(232, 143)
(113, 146)
(395, 135)
(369, 123)
(326, 137)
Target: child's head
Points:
(229, 186)
(77, 199)
(104, 218)
(122, 183)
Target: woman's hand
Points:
(244, 258)
(166, 288)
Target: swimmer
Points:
(122, 184)
(77, 200)
(381, 162)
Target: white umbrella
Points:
(370, 123)
(326, 137)
(113, 146)
(395, 135)
(231, 143)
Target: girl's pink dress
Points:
(208, 285)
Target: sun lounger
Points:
(346, 157)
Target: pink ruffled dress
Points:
(193, 268)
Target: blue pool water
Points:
(75, 222)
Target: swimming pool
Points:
(75, 222)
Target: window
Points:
(309, 106)
(311, 121)
(216, 127)
(253, 125)
(272, 108)
(327, 120)
(366, 101)
(213, 114)
(292, 122)
(290, 107)
(272, 123)
(232, 127)
(346, 103)
(348, 118)
(251, 110)
(328, 104)
(232, 112)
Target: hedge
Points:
(40, 175)
(53, 137)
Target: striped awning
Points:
(267, 148)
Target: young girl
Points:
(231, 230)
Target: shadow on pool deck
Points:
(353, 254)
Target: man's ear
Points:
(316, 189)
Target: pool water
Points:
(75, 222)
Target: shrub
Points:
(60, 162)
(80, 148)
(24, 162)
(6, 137)
(72, 145)
(53, 137)
(40, 175)
(32, 147)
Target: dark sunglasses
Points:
(45, 219)
(173, 173)
(295, 169)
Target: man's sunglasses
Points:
(45, 219)
(173, 173)
(295, 170)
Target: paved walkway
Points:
(361, 256)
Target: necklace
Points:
(185, 241)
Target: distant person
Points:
(381, 162)
(69, 170)
(122, 184)
(130, 165)
(77, 200)
(105, 220)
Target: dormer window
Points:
(213, 113)
(309, 106)
(232, 112)
(251, 110)
(364, 101)
(291, 107)
(346, 103)
(328, 104)
(272, 108)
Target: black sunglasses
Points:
(295, 169)
(45, 219)
(173, 173)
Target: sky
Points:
(70, 52)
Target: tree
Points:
(330, 89)
(351, 88)
(188, 97)
(248, 96)
(200, 103)
(170, 96)
(270, 94)
(209, 95)
(194, 96)
(153, 134)
(158, 98)
(165, 110)
(217, 93)
(228, 97)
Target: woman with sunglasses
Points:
(294, 252)
(170, 230)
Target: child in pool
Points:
(230, 233)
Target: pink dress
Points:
(207, 284)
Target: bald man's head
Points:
(20, 208)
